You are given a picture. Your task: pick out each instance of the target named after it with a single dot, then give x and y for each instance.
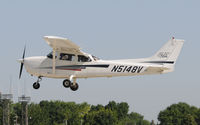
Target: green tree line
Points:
(59, 112)
(180, 114)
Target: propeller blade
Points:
(21, 68)
(24, 52)
(22, 63)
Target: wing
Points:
(63, 45)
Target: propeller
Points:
(22, 62)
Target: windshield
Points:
(95, 58)
(50, 55)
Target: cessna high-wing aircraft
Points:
(68, 62)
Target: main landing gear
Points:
(36, 85)
(73, 85)
(66, 83)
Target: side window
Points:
(65, 56)
(82, 58)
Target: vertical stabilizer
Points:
(169, 53)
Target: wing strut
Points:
(54, 61)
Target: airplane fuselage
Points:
(42, 66)
(68, 61)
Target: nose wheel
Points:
(36, 85)
(68, 84)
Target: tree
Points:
(138, 119)
(179, 114)
(77, 112)
(1, 114)
(58, 112)
(189, 120)
(152, 122)
(112, 105)
(37, 116)
(96, 108)
(100, 117)
(120, 108)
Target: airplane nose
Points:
(20, 60)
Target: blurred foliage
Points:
(180, 114)
(59, 112)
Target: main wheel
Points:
(74, 87)
(66, 83)
(36, 85)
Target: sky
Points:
(109, 29)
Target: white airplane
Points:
(68, 62)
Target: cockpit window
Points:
(65, 56)
(50, 55)
(82, 58)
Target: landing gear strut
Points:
(73, 86)
(36, 85)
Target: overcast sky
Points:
(109, 29)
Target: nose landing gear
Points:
(36, 85)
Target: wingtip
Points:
(53, 37)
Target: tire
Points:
(66, 83)
(36, 85)
(74, 87)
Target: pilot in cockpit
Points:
(65, 57)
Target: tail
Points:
(168, 54)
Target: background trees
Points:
(1, 114)
(180, 114)
(113, 114)
(59, 112)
